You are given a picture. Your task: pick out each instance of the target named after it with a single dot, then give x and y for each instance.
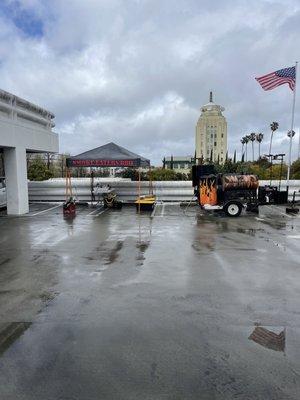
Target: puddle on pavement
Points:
(250, 231)
(5, 261)
(275, 223)
(102, 252)
(10, 333)
(46, 257)
(141, 247)
(113, 254)
(46, 297)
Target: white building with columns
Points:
(24, 127)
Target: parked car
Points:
(2, 192)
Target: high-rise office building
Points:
(211, 132)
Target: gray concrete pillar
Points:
(16, 180)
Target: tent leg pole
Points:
(66, 199)
(139, 191)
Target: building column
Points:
(16, 180)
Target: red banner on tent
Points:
(101, 163)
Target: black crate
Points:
(281, 197)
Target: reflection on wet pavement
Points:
(268, 339)
(127, 307)
(141, 247)
(9, 333)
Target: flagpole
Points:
(291, 132)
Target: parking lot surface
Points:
(173, 305)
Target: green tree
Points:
(38, 170)
(274, 126)
(130, 173)
(255, 169)
(246, 141)
(160, 174)
(295, 169)
(243, 144)
(172, 162)
(277, 171)
(259, 139)
(263, 162)
(252, 138)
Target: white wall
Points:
(23, 127)
(30, 136)
(16, 180)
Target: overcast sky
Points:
(136, 72)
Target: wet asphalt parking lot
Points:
(112, 305)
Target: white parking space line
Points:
(153, 212)
(93, 212)
(279, 211)
(163, 209)
(101, 212)
(44, 211)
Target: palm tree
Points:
(259, 139)
(274, 126)
(291, 133)
(252, 137)
(243, 144)
(246, 138)
(234, 157)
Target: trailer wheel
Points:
(233, 208)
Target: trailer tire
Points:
(233, 208)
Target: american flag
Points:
(277, 78)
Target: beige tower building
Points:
(211, 132)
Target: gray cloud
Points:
(137, 72)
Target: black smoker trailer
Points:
(232, 192)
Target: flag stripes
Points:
(278, 78)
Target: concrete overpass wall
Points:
(23, 127)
